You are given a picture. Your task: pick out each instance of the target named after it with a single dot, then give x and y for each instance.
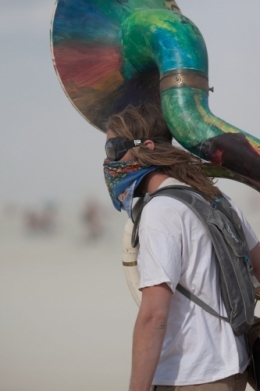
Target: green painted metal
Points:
(163, 39)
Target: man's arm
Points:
(149, 332)
(255, 260)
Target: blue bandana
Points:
(122, 179)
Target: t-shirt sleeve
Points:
(160, 253)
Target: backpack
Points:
(237, 280)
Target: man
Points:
(177, 346)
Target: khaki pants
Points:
(233, 383)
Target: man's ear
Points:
(149, 144)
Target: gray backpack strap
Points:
(199, 302)
(137, 212)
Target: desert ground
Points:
(66, 312)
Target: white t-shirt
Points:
(176, 248)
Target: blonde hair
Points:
(146, 121)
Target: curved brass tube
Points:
(173, 44)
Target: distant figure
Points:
(91, 217)
(31, 221)
(42, 221)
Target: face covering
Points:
(122, 179)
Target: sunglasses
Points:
(116, 147)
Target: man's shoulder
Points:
(163, 203)
(167, 212)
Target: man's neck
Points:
(152, 181)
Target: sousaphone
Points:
(108, 54)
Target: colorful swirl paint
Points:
(110, 54)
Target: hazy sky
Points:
(49, 151)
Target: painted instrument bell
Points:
(108, 54)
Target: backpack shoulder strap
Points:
(199, 302)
